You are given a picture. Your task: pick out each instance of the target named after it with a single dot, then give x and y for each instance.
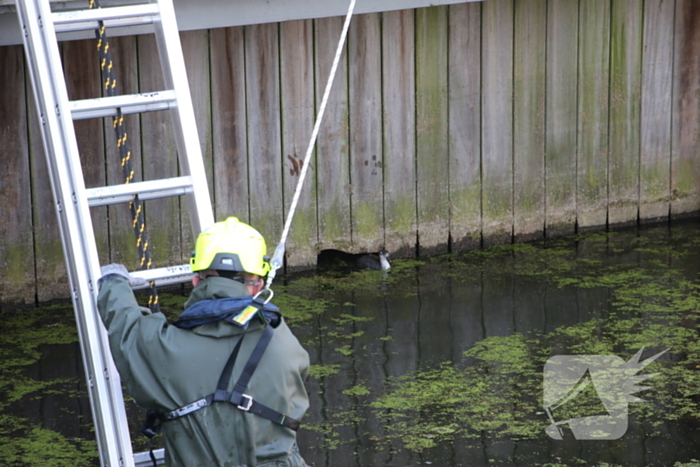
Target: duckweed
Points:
(492, 390)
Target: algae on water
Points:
(378, 382)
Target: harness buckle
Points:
(248, 403)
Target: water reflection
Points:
(373, 336)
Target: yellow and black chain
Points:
(109, 81)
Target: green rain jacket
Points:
(164, 367)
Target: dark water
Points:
(437, 362)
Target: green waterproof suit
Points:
(164, 367)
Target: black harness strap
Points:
(236, 397)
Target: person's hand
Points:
(120, 270)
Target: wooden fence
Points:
(448, 127)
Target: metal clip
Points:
(269, 291)
(182, 411)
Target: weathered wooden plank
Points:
(656, 105)
(16, 251)
(497, 121)
(561, 117)
(685, 165)
(398, 120)
(464, 76)
(195, 49)
(121, 234)
(432, 158)
(81, 65)
(332, 148)
(594, 70)
(159, 160)
(51, 275)
(297, 71)
(529, 118)
(230, 137)
(625, 110)
(264, 141)
(366, 157)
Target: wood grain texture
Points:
(593, 105)
(398, 121)
(366, 156)
(625, 110)
(472, 144)
(529, 119)
(464, 139)
(195, 50)
(297, 72)
(332, 148)
(122, 240)
(51, 275)
(81, 67)
(229, 128)
(497, 121)
(16, 240)
(432, 162)
(685, 165)
(264, 139)
(656, 105)
(159, 160)
(561, 117)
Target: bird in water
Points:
(374, 262)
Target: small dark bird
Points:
(374, 262)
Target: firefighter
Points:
(224, 384)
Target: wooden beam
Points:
(656, 105)
(464, 119)
(497, 121)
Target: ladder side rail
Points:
(77, 235)
(182, 117)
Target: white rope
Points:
(278, 257)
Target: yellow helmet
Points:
(231, 245)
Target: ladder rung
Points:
(121, 16)
(129, 104)
(143, 459)
(152, 189)
(165, 276)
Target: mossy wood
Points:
(464, 120)
(561, 117)
(685, 137)
(625, 89)
(332, 150)
(478, 123)
(656, 104)
(497, 121)
(264, 137)
(198, 69)
(593, 113)
(530, 42)
(16, 252)
(159, 159)
(399, 133)
(297, 108)
(432, 169)
(230, 136)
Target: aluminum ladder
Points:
(73, 200)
